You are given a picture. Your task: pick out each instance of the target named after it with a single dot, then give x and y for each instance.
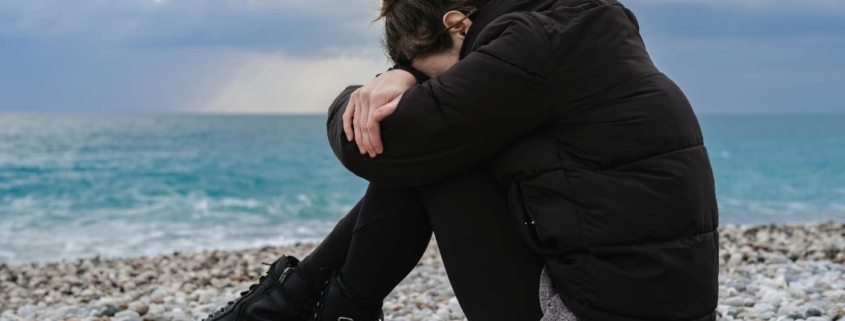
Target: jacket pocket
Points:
(542, 210)
(522, 221)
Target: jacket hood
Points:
(495, 9)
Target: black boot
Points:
(281, 295)
(339, 303)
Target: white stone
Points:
(177, 315)
(764, 307)
(127, 315)
(156, 309)
(442, 312)
(27, 311)
(735, 301)
(775, 297)
(157, 294)
(454, 306)
(735, 260)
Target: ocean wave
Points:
(35, 228)
(125, 239)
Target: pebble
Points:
(735, 301)
(127, 315)
(157, 294)
(156, 309)
(769, 272)
(26, 311)
(735, 259)
(140, 308)
(764, 307)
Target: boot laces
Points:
(243, 294)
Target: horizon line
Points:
(188, 113)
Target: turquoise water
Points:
(74, 186)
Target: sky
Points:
(295, 56)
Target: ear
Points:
(457, 22)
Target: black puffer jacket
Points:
(601, 154)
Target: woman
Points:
(380, 241)
(600, 153)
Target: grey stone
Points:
(814, 312)
(27, 311)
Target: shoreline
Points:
(767, 272)
(265, 243)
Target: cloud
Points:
(196, 80)
(725, 75)
(279, 83)
(260, 56)
(752, 3)
(46, 78)
(266, 25)
(179, 55)
(765, 75)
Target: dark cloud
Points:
(159, 56)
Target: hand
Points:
(369, 105)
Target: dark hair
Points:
(414, 28)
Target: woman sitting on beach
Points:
(548, 114)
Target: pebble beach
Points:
(771, 272)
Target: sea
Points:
(131, 185)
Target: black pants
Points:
(494, 274)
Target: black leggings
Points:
(494, 274)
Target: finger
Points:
(375, 135)
(384, 111)
(347, 117)
(365, 116)
(373, 127)
(356, 121)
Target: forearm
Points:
(391, 168)
(439, 128)
(334, 123)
